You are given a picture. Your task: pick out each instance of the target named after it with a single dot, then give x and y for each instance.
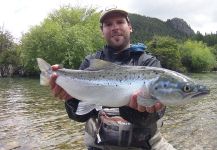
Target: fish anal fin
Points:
(84, 108)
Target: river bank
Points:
(11, 71)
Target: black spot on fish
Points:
(156, 73)
(165, 85)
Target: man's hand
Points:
(56, 89)
(133, 104)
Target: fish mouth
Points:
(205, 92)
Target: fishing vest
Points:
(112, 126)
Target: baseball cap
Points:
(110, 11)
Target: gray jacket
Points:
(144, 120)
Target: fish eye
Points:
(186, 88)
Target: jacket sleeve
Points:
(72, 104)
(143, 118)
(148, 60)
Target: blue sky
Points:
(18, 16)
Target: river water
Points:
(31, 118)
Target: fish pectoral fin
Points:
(98, 64)
(147, 102)
(84, 108)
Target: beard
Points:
(119, 42)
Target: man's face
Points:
(116, 31)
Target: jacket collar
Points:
(112, 55)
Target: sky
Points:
(18, 16)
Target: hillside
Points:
(145, 28)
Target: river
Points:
(31, 118)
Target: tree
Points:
(209, 39)
(65, 37)
(167, 51)
(6, 40)
(214, 51)
(9, 54)
(8, 49)
(196, 56)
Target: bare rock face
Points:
(180, 25)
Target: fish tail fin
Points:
(45, 71)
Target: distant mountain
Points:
(144, 28)
(180, 25)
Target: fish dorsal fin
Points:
(98, 64)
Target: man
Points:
(127, 127)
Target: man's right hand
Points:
(56, 89)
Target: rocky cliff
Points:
(180, 25)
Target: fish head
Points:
(172, 91)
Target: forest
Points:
(68, 34)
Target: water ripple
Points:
(30, 118)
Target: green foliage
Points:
(70, 33)
(42, 41)
(214, 50)
(209, 39)
(166, 50)
(9, 53)
(10, 57)
(196, 56)
(6, 40)
(64, 37)
(145, 28)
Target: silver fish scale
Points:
(119, 75)
(112, 85)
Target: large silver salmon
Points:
(108, 84)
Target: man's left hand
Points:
(133, 104)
